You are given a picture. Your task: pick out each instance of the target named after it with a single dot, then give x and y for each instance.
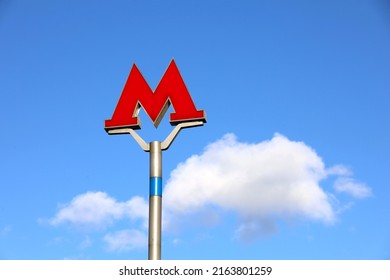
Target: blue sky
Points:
(292, 163)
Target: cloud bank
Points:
(261, 183)
(97, 210)
(276, 177)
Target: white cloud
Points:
(351, 187)
(126, 240)
(261, 182)
(97, 210)
(339, 170)
(271, 177)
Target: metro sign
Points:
(136, 93)
(171, 90)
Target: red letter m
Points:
(137, 94)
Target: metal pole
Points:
(155, 201)
(155, 181)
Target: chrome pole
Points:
(155, 201)
(155, 149)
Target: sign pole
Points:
(155, 201)
(137, 94)
(155, 149)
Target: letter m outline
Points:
(136, 93)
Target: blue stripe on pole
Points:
(155, 186)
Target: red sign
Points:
(137, 93)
